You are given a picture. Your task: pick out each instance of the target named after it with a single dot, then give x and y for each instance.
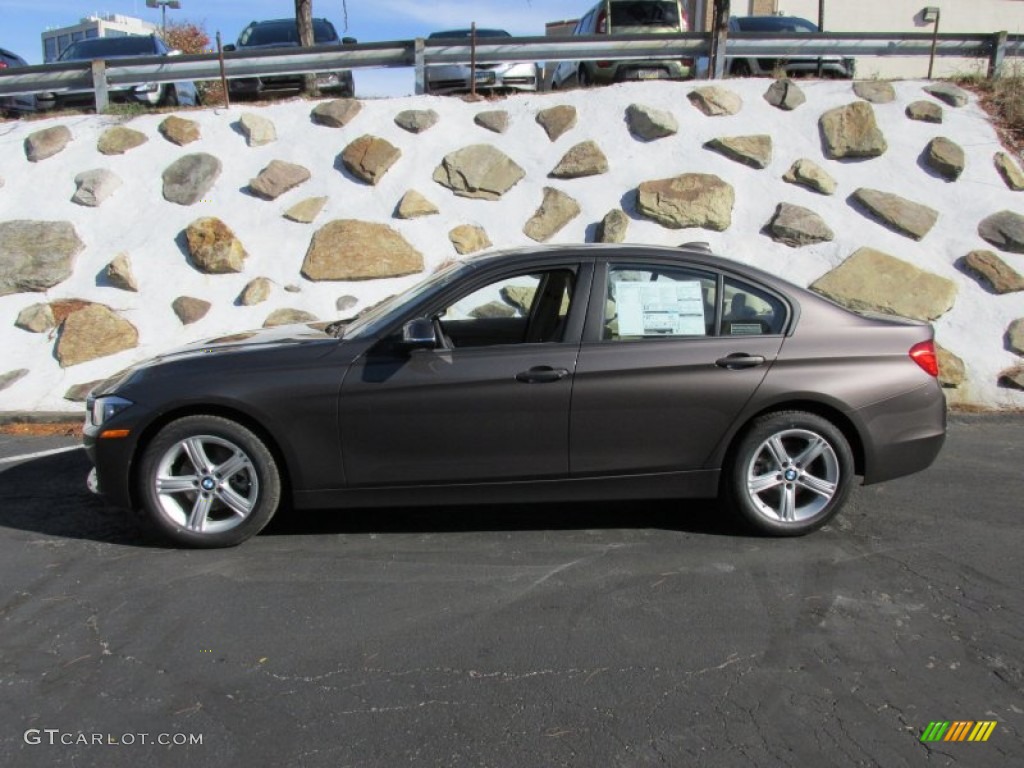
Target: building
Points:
(107, 25)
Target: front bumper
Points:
(443, 80)
(340, 82)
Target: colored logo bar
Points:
(958, 730)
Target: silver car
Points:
(443, 79)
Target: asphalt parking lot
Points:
(585, 635)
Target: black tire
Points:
(169, 98)
(206, 481)
(740, 68)
(788, 474)
(583, 77)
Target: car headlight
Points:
(146, 88)
(103, 409)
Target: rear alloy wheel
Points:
(169, 98)
(789, 474)
(208, 482)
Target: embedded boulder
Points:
(1015, 336)
(556, 210)
(336, 113)
(306, 210)
(1005, 230)
(118, 140)
(494, 120)
(345, 303)
(993, 272)
(189, 178)
(36, 255)
(754, 151)
(190, 309)
(875, 91)
(949, 93)
(870, 280)
(255, 292)
(1009, 171)
(416, 120)
(899, 214)
(213, 247)
(40, 145)
(784, 94)
(584, 159)
(368, 158)
(851, 131)
(469, 239)
(809, 174)
(119, 274)
(689, 200)
(613, 227)
(952, 372)
(715, 101)
(78, 393)
(945, 157)
(277, 178)
(258, 130)
(1012, 378)
(288, 316)
(12, 377)
(92, 332)
(93, 187)
(794, 226)
(348, 249)
(178, 130)
(924, 111)
(478, 171)
(413, 205)
(650, 124)
(557, 120)
(37, 318)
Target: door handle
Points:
(739, 360)
(541, 374)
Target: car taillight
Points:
(3, 65)
(924, 355)
(602, 23)
(604, 64)
(686, 62)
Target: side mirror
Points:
(349, 41)
(228, 48)
(419, 334)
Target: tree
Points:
(187, 37)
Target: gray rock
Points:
(556, 210)
(493, 309)
(584, 159)
(345, 303)
(493, 120)
(469, 239)
(613, 227)
(809, 174)
(851, 131)
(1009, 171)
(784, 94)
(416, 120)
(874, 281)
(993, 272)
(335, 114)
(119, 274)
(95, 186)
(180, 131)
(949, 93)
(306, 210)
(190, 309)
(189, 178)
(92, 332)
(37, 318)
(689, 200)
(46, 143)
(945, 157)
(795, 226)
(118, 140)
(347, 249)
(650, 124)
(899, 214)
(277, 178)
(413, 205)
(875, 91)
(478, 171)
(256, 291)
(288, 317)
(258, 130)
(368, 158)
(754, 151)
(11, 377)
(557, 120)
(1015, 336)
(293, 288)
(79, 392)
(1004, 230)
(1012, 378)
(213, 247)
(36, 255)
(715, 101)
(924, 111)
(952, 372)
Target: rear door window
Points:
(751, 311)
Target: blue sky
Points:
(368, 20)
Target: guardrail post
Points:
(419, 53)
(99, 85)
(995, 61)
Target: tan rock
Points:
(118, 139)
(190, 309)
(584, 159)
(258, 130)
(1009, 171)
(37, 318)
(785, 94)
(469, 239)
(278, 178)
(335, 114)
(78, 393)
(689, 200)
(851, 131)
(478, 171)
(924, 111)
(613, 227)
(949, 93)
(952, 372)
(945, 157)
(93, 332)
(306, 210)
(556, 210)
(494, 120)
(650, 124)
(12, 377)
(213, 247)
(180, 131)
(347, 249)
(875, 91)
(795, 226)
(45, 143)
(1015, 336)
(899, 214)
(188, 179)
(36, 255)
(119, 273)
(413, 205)
(1004, 230)
(288, 317)
(993, 272)
(368, 158)
(755, 151)
(255, 292)
(809, 174)
(715, 101)
(557, 120)
(416, 120)
(95, 186)
(1012, 378)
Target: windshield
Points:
(378, 317)
(645, 13)
(775, 24)
(105, 47)
(285, 32)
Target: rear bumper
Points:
(632, 71)
(904, 434)
(326, 82)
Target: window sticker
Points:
(660, 309)
(745, 329)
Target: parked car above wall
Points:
(125, 47)
(831, 66)
(494, 77)
(14, 106)
(283, 33)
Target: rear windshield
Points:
(640, 13)
(456, 33)
(775, 24)
(102, 47)
(285, 32)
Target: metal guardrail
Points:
(99, 76)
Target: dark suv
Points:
(283, 33)
(831, 66)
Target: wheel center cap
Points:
(208, 484)
(791, 475)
